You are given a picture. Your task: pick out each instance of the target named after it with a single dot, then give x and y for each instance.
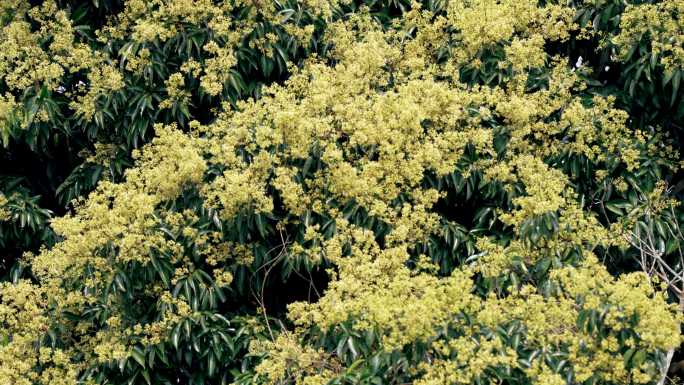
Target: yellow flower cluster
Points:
(146, 21)
(26, 61)
(289, 362)
(4, 212)
(23, 62)
(8, 114)
(483, 24)
(175, 90)
(23, 316)
(662, 23)
(550, 325)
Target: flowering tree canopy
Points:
(330, 192)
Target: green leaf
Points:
(138, 355)
(211, 364)
(628, 356)
(175, 336)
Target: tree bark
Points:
(670, 353)
(666, 366)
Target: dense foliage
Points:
(340, 192)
